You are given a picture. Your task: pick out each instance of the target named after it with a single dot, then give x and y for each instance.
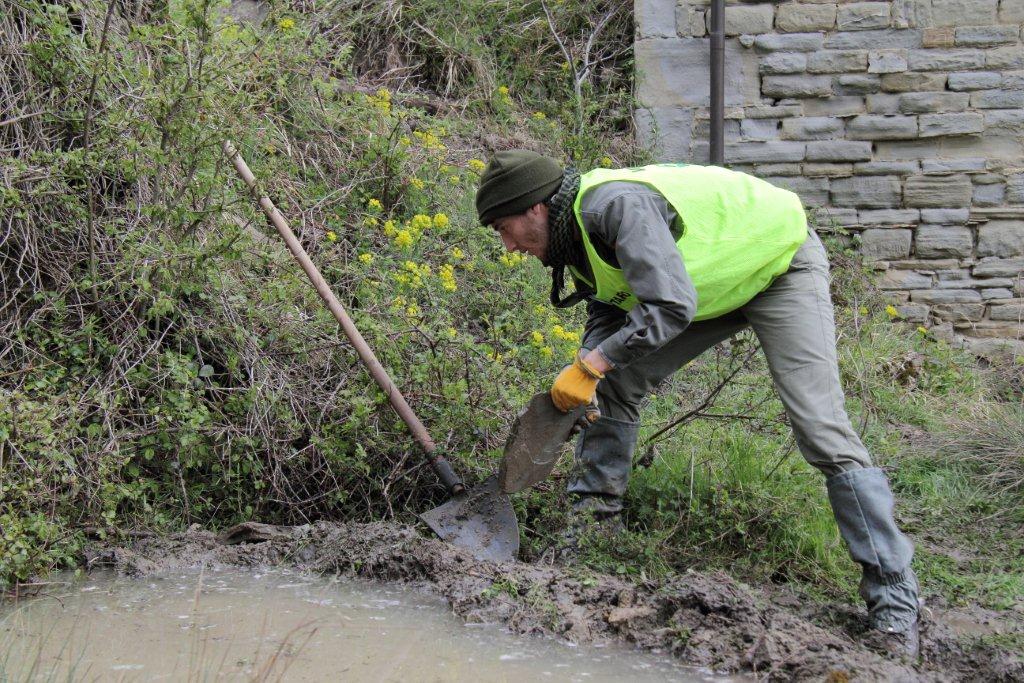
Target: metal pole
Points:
(716, 148)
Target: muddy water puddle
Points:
(242, 625)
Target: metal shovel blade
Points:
(535, 443)
(480, 520)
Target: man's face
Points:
(526, 232)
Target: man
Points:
(673, 259)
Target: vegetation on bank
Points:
(166, 363)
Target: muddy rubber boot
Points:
(604, 457)
(863, 507)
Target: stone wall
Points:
(902, 121)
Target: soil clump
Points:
(703, 619)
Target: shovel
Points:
(481, 519)
(536, 440)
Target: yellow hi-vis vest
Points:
(739, 233)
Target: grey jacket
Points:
(633, 228)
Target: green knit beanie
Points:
(513, 181)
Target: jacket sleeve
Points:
(634, 224)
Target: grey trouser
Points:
(794, 322)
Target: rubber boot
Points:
(863, 507)
(604, 457)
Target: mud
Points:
(706, 620)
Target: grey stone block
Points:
(1015, 189)
(1007, 122)
(746, 19)
(937, 36)
(1013, 80)
(986, 36)
(943, 241)
(887, 61)
(963, 12)
(913, 313)
(945, 296)
(655, 18)
(690, 21)
(904, 279)
(959, 312)
(945, 216)
(784, 63)
(835, 106)
(871, 192)
(945, 60)
(759, 129)
(884, 244)
(975, 80)
(850, 84)
(832, 216)
(933, 102)
(765, 170)
(1002, 350)
(988, 179)
(1003, 238)
(996, 294)
(860, 16)
(883, 103)
(812, 191)
(790, 42)
(933, 125)
(913, 81)
(999, 267)
(873, 127)
(702, 129)
(989, 195)
(668, 131)
(925, 191)
(889, 217)
(1008, 311)
(828, 169)
(838, 150)
(837, 61)
(796, 86)
(796, 17)
(780, 112)
(760, 152)
(812, 128)
(888, 168)
(1011, 11)
(1005, 58)
(867, 40)
(674, 73)
(998, 99)
(952, 166)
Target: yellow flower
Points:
(452, 333)
(417, 183)
(922, 330)
(511, 259)
(536, 338)
(366, 258)
(390, 228)
(412, 310)
(454, 179)
(863, 310)
(404, 141)
(420, 222)
(503, 90)
(447, 276)
(476, 166)
(546, 351)
(891, 310)
(403, 239)
(374, 205)
(606, 162)
(331, 236)
(371, 222)
(458, 253)
(539, 115)
(564, 66)
(539, 310)
(286, 24)
(440, 220)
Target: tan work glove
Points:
(575, 385)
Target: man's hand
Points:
(576, 385)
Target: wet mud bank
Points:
(706, 620)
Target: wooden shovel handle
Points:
(435, 459)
